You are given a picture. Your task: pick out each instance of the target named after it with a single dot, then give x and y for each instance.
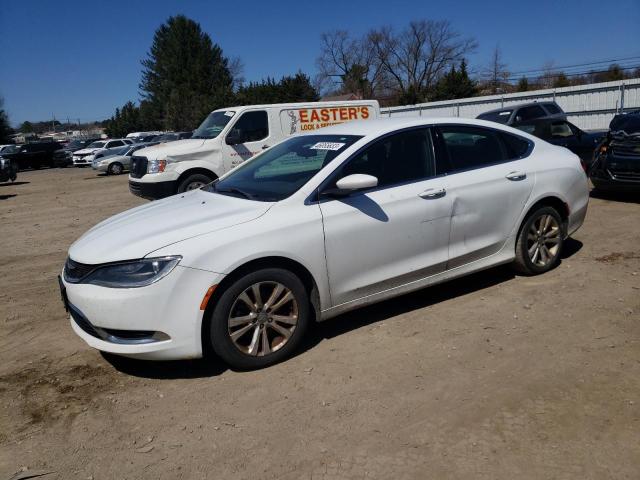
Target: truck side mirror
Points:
(234, 137)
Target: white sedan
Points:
(315, 226)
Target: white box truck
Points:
(228, 137)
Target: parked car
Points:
(616, 166)
(523, 113)
(318, 225)
(230, 136)
(565, 134)
(118, 160)
(8, 170)
(172, 136)
(64, 157)
(34, 155)
(6, 149)
(86, 155)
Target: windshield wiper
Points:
(234, 190)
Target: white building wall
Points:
(590, 107)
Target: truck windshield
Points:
(213, 124)
(280, 171)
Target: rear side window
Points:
(464, 148)
(517, 147)
(252, 126)
(117, 143)
(400, 158)
(552, 108)
(528, 113)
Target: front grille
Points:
(82, 322)
(626, 150)
(138, 166)
(627, 175)
(74, 271)
(135, 188)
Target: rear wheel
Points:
(194, 181)
(540, 242)
(260, 319)
(115, 168)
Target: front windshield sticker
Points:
(327, 146)
(229, 114)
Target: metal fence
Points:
(590, 107)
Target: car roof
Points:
(519, 105)
(381, 126)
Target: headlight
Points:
(156, 166)
(136, 273)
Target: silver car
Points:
(116, 160)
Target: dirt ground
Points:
(494, 376)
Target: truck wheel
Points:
(193, 181)
(115, 169)
(260, 319)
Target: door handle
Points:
(432, 193)
(264, 147)
(516, 176)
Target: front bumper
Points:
(159, 322)
(82, 161)
(616, 173)
(154, 190)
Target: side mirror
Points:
(234, 137)
(352, 183)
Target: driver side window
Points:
(251, 127)
(400, 158)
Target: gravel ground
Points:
(493, 376)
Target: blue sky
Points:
(81, 59)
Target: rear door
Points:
(248, 136)
(488, 180)
(393, 234)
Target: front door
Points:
(392, 234)
(249, 135)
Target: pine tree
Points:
(523, 85)
(455, 84)
(185, 76)
(5, 128)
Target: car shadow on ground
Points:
(211, 366)
(13, 184)
(624, 197)
(5, 197)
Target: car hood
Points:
(137, 232)
(86, 151)
(176, 148)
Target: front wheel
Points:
(193, 182)
(115, 169)
(260, 319)
(539, 242)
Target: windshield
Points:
(117, 151)
(213, 124)
(97, 145)
(282, 170)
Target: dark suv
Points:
(523, 113)
(565, 134)
(35, 155)
(616, 165)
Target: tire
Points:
(540, 241)
(249, 350)
(115, 168)
(193, 181)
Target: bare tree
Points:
(349, 62)
(412, 60)
(496, 74)
(236, 69)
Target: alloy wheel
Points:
(543, 240)
(195, 186)
(263, 318)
